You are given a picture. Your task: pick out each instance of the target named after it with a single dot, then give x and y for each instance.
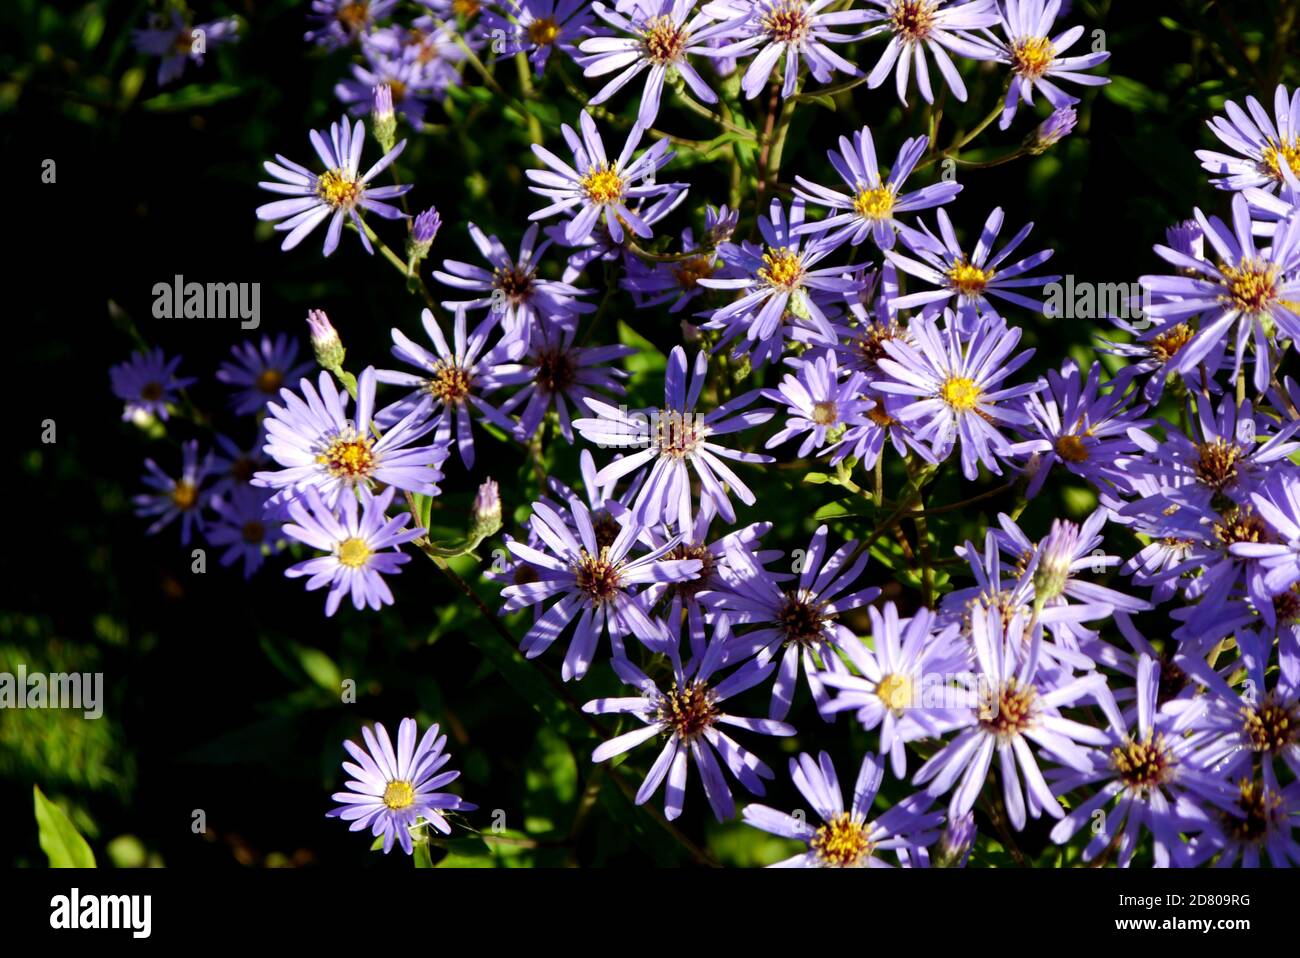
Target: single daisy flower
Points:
(536, 27)
(340, 23)
(1265, 149)
(938, 27)
(181, 497)
(176, 41)
(258, 371)
(147, 383)
(244, 528)
(820, 405)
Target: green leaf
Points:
(192, 97)
(60, 840)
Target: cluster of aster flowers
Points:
(1031, 693)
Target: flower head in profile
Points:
(1036, 58)
(594, 189)
(450, 381)
(147, 383)
(593, 582)
(937, 27)
(318, 444)
(958, 388)
(873, 202)
(396, 791)
(689, 714)
(852, 838)
(256, 372)
(361, 545)
(177, 42)
(675, 442)
(181, 497)
(340, 193)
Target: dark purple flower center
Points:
(686, 711)
(1143, 765)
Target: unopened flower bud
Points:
(423, 230)
(958, 839)
(1052, 130)
(382, 117)
(486, 518)
(325, 342)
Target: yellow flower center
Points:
(1010, 711)
(1165, 346)
(597, 576)
(896, 691)
(842, 842)
(782, 268)
(348, 457)
(1143, 765)
(1275, 154)
(874, 203)
(184, 495)
(689, 272)
(338, 189)
(1071, 449)
(961, 393)
(1252, 286)
(968, 279)
(913, 19)
(465, 8)
(687, 711)
(824, 413)
(398, 794)
(664, 41)
(353, 553)
(1271, 726)
(353, 16)
(269, 380)
(602, 184)
(543, 31)
(1032, 56)
(787, 21)
(449, 383)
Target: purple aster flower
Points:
(599, 189)
(594, 585)
(1252, 290)
(148, 384)
(450, 381)
(395, 792)
(881, 424)
(873, 203)
(659, 40)
(258, 371)
(337, 193)
(957, 388)
(1154, 774)
(536, 27)
(1074, 424)
(1264, 149)
(853, 838)
(410, 81)
(678, 282)
(338, 23)
(796, 31)
(361, 542)
(896, 678)
(234, 465)
(676, 440)
(937, 26)
(1054, 129)
(1006, 705)
(1278, 504)
(172, 38)
(318, 445)
(972, 278)
(243, 528)
(556, 373)
(777, 281)
(512, 289)
(1035, 57)
(819, 404)
(689, 714)
(1262, 822)
(170, 498)
(600, 246)
(800, 623)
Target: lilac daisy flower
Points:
(1262, 823)
(235, 465)
(536, 27)
(689, 714)
(318, 445)
(819, 403)
(895, 679)
(777, 282)
(853, 838)
(337, 193)
(802, 621)
(1155, 774)
(1252, 290)
(659, 40)
(1264, 149)
(789, 30)
(450, 382)
(972, 278)
(1278, 504)
(1006, 707)
(556, 373)
(594, 585)
(243, 528)
(873, 203)
(957, 388)
(339, 23)
(258, 371)
(1035, 57)
(394, 792)
(512, 289)
(677, 440)
(148, 384)
(411, 83)
(936, 26)
(172, 498)
(173, 39)
(362, 543)
(599, 189)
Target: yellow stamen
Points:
(353, 553)
(961, 393)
